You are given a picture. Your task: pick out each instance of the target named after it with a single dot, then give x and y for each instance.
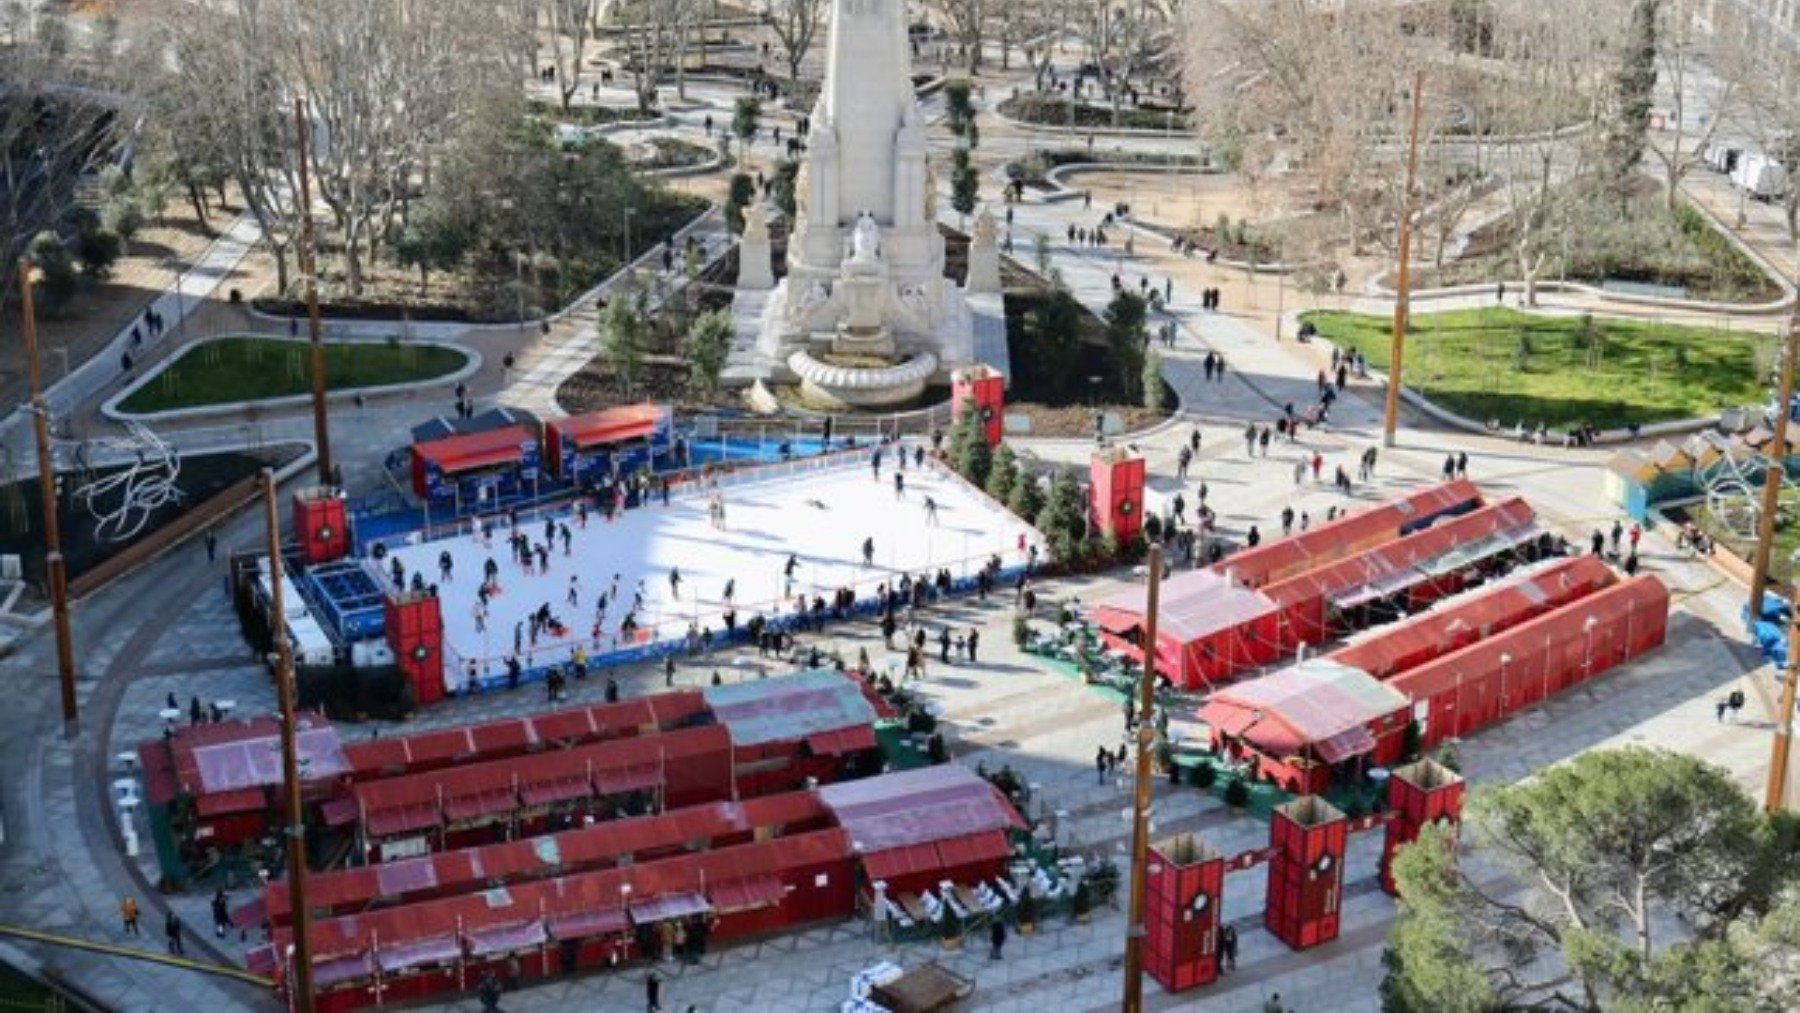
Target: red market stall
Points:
(470, 804)
(1458, 693)
(228, 770)
(1459, 622)
(916, 829)
(596, 445)
(470, 468)
(559, 926)
(814, 725)
(1403, 575)
(1348, 535)
(628, 841)
(493, 740)
(1208, 627)
(1300, 723)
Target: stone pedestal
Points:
(755, 270)
(984, 257)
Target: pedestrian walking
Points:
(1228, 944)
(221, 914)
(996, 938)
(1287, 521)
(172, 932)
(931, 512)
(128, 909)
(1103, 759)
(1318, 461)
(1253, 538)
(212, 546)
(653, 992)
(1263, 440)
(1449, 467)
(1462, 465)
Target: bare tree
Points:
(796, 24)
(966, 20)
(571, 22)
(1713, 70)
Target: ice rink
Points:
(820, 517)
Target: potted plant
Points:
(1027, 913)
(1082, 904)
(952, 927)
(1205, 774)
(1237, 794)
(935, 748)
(1021, 631)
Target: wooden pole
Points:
(1403, 279)
(300, 988)
(1140, 814)
(56, 571)
(1775, 797)
(1773, 476)
(315, 330)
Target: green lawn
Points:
(252, 369)
(1514, 367)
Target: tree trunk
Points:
(280, 253)
(197, 200)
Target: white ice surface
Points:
(821, 517)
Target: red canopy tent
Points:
(1347, 535)
(1485, 682)
(1388, 650)
(1416, 569)
(1299, 722)
(606, 427)
(919, 827)
(1208, 627)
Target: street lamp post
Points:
(54, 565)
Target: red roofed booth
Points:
(1483, 683)
(1348, 535)
(1459, 622)
(917, 828)
(584, 447)
(1207, 628)
(494, 463)
(1299, 723)
(1402, 576)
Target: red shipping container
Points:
(1306, 874)
(1181, 913)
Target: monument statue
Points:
(864, 258)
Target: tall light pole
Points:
(300, 988)
(1403, 278)
(1776, 472)
(1140, 812)
(314, 328)
(56, 570)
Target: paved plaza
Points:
(170, 629)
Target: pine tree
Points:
(708, 346)
(622, 339)
(970, 454)
(1002, 474)
(1025, 501)
(1064, 517)
(1125, 317)
(1634, 91)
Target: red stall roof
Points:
(1316, 704)
(1446, 546)
(1195, 604)
(792, 708)
(921, 806)
(612, 425)
(1333, 540)
(1388, 650)
(470, 451)
(376, 758)
(233, 756)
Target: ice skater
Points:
(875, 463)
(480, 613)
(869, 551)
(574, 590)
(675, 582)
(730, 590)
(446, 563)
(563, 530)
(931, 516)
(900, 484)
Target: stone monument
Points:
(864, 316)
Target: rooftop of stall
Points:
(931, 821)
(820, 707)
(475, 451)
(566, 438)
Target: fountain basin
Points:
(863, 386)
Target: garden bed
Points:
(1510, 367)
(232, 369)
(1054, 112)
(589, 115)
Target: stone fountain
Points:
(865, 317)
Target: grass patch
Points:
(589, 116)
(1512, 367)
(230, 369)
